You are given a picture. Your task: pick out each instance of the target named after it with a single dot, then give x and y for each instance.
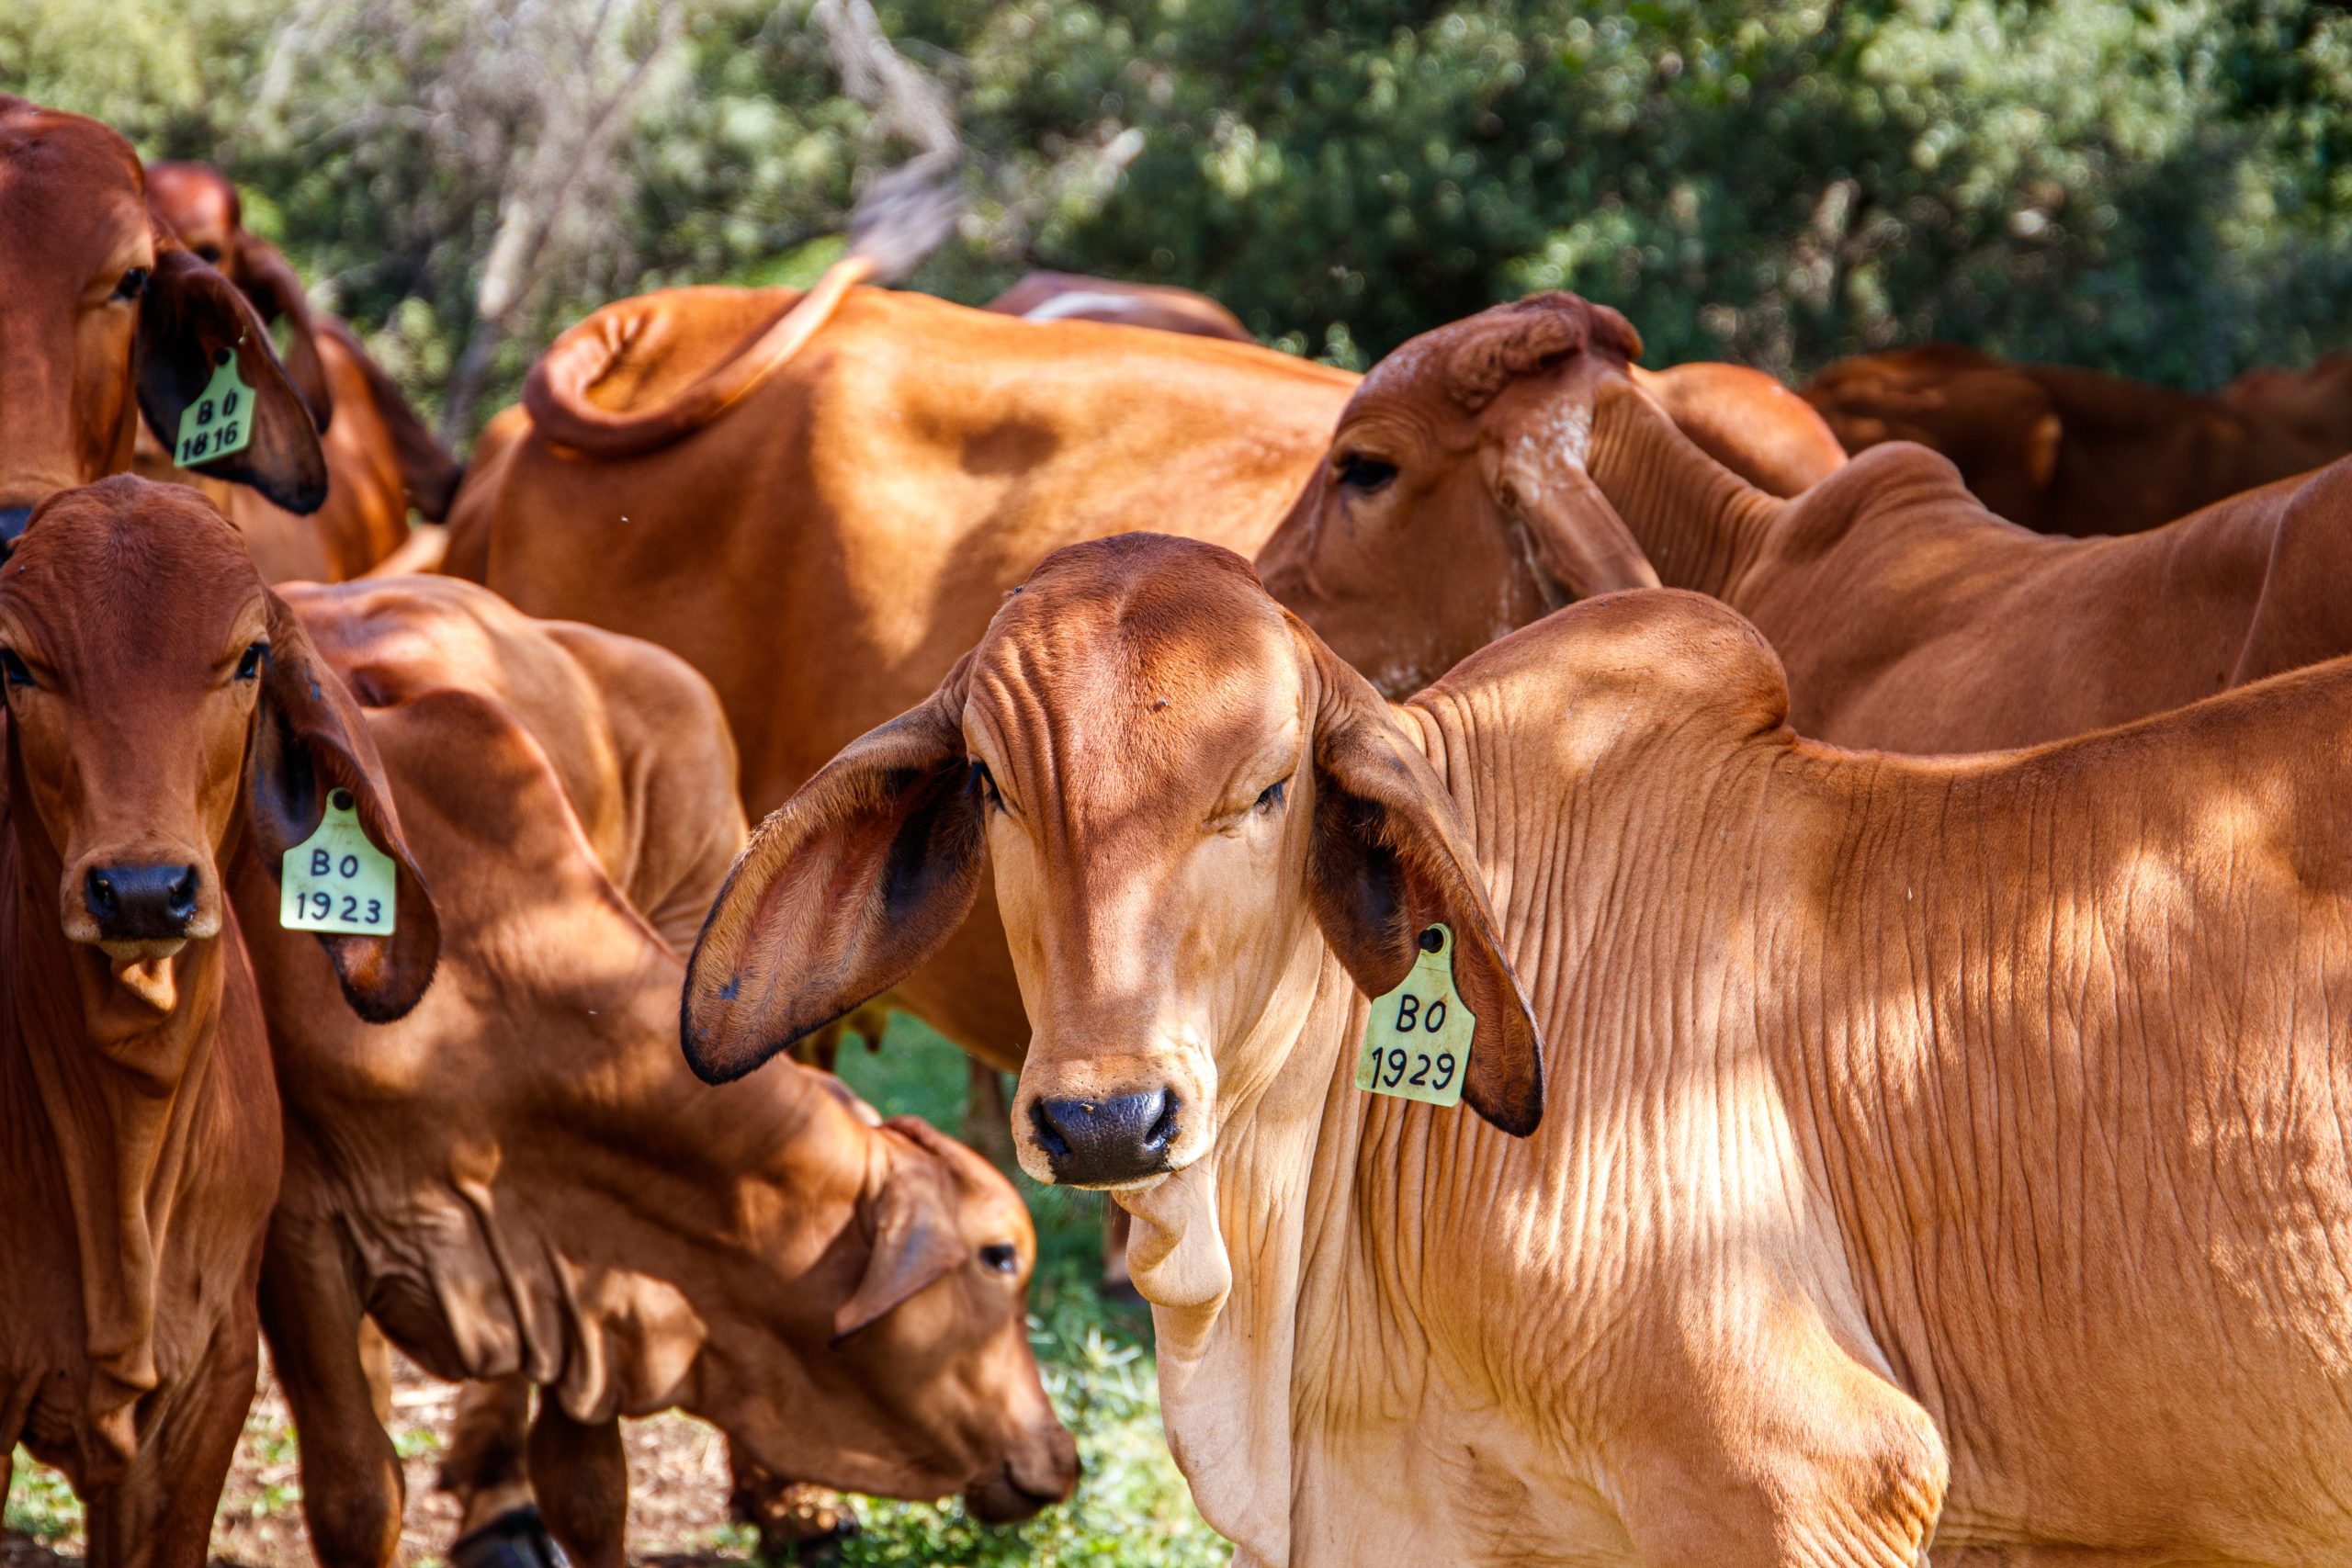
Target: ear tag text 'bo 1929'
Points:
(335, 879)
(221, 420)
(1417, 1042)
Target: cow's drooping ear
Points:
(842, 892)
(1387, 862)
(916, 1238)
(191, 317)
(1581, 543)
(270, 282)
(309, 739)
(430, 472)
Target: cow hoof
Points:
(516, 1539)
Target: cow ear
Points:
(190, 321)
(841, 893)
(1581, 543)
(311, 740)
(270, 282)
(917, 1240)
(1387, 862)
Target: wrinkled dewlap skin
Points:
(1931, 1147)
(136, 1095)
(1908, 615)
(522, 1178)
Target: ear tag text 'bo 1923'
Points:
(335, 879)
(221, 420)
(1417, 1042)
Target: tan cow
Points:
(381, 459)
(2071, 451)
(1933, 1152)
(1458, 502)
(523, 1178)
(104, 314)
(164, 710)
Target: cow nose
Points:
(1096, 1142)
(140, 903)
(12, 523)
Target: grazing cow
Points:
(1074, 297)
(381, 459)
(2070, 451)
(163, 709)
(1942, 1150)
(105, 315)
(522, 1178)
(1481, 469)
(885, 487)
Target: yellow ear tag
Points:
(218, 423)
(1417, 1042)
(335, 879)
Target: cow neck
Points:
(110, 1089)
(1701, 526)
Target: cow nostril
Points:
(182, 903)
(98, 896)
(1163, 1128)
(1049, 1137)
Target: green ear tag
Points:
(218, 423)
(335, 879)
(1417, 1042)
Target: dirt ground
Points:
(677, 1491)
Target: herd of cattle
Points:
(1871, 1153)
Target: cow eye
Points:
(1360, 472)
(1001, 1258)
(133, 284)
(988, 785)
(13, 670)
(1270, 799)
(250, 665)
(210, 252)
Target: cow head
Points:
(104, 314)
(160, 700)
(201, 205)
(1453, 505)
(1176, 785)
(917, 1357)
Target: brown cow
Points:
(1478, 464)
(1074, 297)
(523, 1178)
(381, 459)
(883, 489)
(104, 315)
(2070, 451)
(163, 709)
(1935, 1150)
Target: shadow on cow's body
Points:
(1930, 1149)
(164, 715)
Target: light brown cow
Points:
(1074, 297)
(2070, 451)
(521, 1177)
(1938, 1151)
(1458, 502)
(162, 709)
(881, 490)
(104, 314)
(381, 459)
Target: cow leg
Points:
(1118, 1230)
(160, 1515)
(376, 1357)
(352, 1488)
(988, 1121)
(498, 1524)
(797, 1522)
(581, 1477)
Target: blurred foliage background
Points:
(2162, 188)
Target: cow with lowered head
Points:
(1861, 1155)
(106, 315)
(165, 715)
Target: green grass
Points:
(1131, 1510)
(40, 1505)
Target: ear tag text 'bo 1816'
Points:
(335, 879)
(1417, 1042)
(221, 420)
